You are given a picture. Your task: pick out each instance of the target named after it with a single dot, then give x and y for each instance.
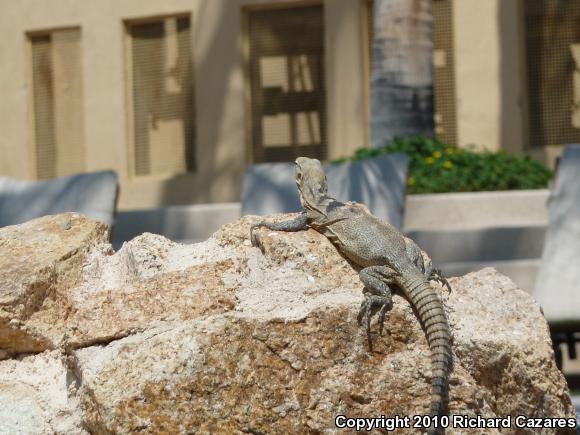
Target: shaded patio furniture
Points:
(379, 183)
(558, 283)
(93, 194)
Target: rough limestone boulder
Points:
(223, 337)
(41, 261)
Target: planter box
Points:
(465, 210)
(463, 232)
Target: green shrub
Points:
(436, 167)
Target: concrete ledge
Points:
(481, 244)
(476, 210)
(522, 272)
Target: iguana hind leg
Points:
(437, 275)
(378, 296)
(415, 254)
(434, 274)
(420, 259)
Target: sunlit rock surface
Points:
(223, 337)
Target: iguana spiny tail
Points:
(387, 260)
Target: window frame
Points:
(246, 10)
(32, 146)
(127, 24)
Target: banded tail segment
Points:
(432, 316)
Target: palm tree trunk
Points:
(401, 71)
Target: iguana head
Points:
(311, 182)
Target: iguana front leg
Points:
(376, 280)
(299, 223)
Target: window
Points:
(161, 95)
(444, 72)
(553, 71)
(58, 134)
(286, 71)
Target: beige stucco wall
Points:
(220, 106)
(489, 70)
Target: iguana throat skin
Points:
(387, 259)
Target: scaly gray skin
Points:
(388, 260)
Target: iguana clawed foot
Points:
(368, 308)
(437, 275)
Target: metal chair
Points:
(93, 194)
(378, 182)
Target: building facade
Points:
(179, 96)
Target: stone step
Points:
(482, 244)
(437, 211)
(522, 272)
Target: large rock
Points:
(38, 397)
(40, 263)
(223, 337)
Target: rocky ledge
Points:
(223, 337)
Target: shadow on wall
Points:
(512, 71)
(336, 98)
(215, 59)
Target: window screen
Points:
(57, 103)
(287, 83)
(162, 93)
(444, 72)
(553, 70)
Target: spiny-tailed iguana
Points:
(387, 259)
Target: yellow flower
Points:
(448, 151)
(429, 160)
(411, 181)
(447, 165)
(437, 154)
